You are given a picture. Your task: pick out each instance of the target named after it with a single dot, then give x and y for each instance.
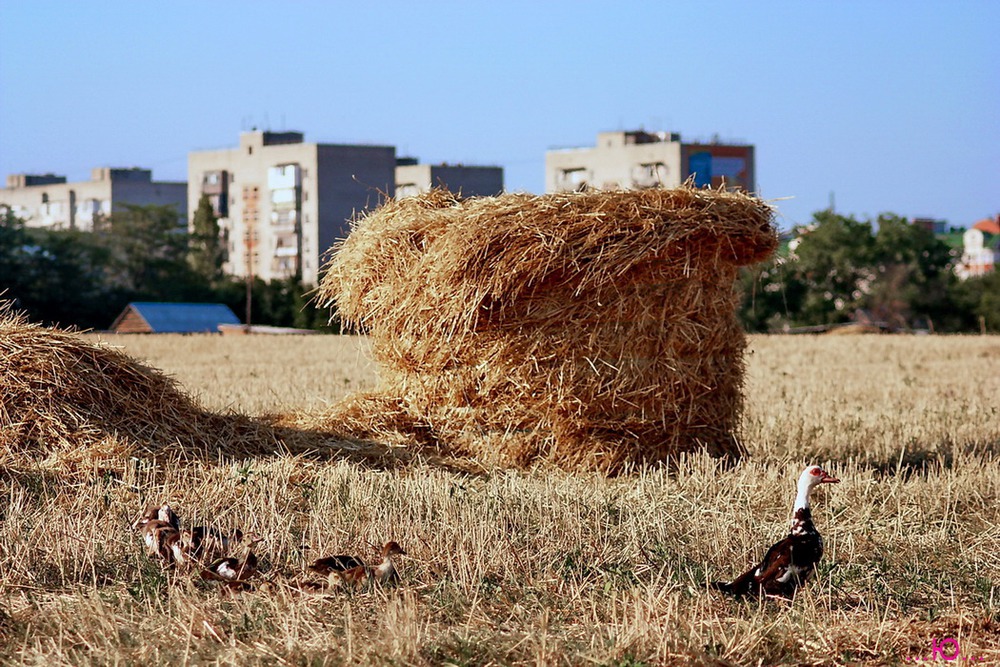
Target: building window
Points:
(407, 190)
(649, 174)
(573, 179)
(653, 169)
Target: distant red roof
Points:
(988, 225)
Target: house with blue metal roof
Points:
(153, 317)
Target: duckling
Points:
(330, 564)
(163, 513)
(308, 587)
(195, 546)
(233, 572)
(205, 543)
(188, 548)
(385, 573)
(353, 578)
(167, 514)
(158, 526)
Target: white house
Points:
(981, 249)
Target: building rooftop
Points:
(180, 317)
(988, 225)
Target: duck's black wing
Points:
(771, 568)
(325, 566)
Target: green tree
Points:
(70, 285)
(55, 277)
(771, 294)
(902, 273)
(206, 250)
(834, 262)
(913, 273)
(286, 303)
(141, 253)
(976, 304)
(15, 251)
(148, 254)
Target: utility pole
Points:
(251, 214)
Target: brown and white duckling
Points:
(326, 566)
(205, 543)
(232, 571)
(163, 513)
(167, 514)
(788, 563)
(385, 573)
(159, 529)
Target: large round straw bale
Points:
(589, 329)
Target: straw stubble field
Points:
(544, 566)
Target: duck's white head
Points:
(812, 476)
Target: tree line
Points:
(836, 268)
(141, 253)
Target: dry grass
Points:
(256, 374)
(545, 567)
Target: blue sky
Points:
(890, 106)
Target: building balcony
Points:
(286, 251)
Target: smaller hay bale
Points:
(592, 330)
(66, 402)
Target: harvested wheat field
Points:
(503, 567)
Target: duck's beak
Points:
(829, 479)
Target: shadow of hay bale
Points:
(590, 330)
(370, 429)
(68, 404)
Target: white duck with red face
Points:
(787, 564)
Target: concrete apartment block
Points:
(47, 200)
(282, 202)
(469, 181)
(639, 159)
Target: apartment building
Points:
(639, 159)
(467, 180)
(47, 200)
(283, 202)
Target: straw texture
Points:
(593, 330)
(67, 403)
